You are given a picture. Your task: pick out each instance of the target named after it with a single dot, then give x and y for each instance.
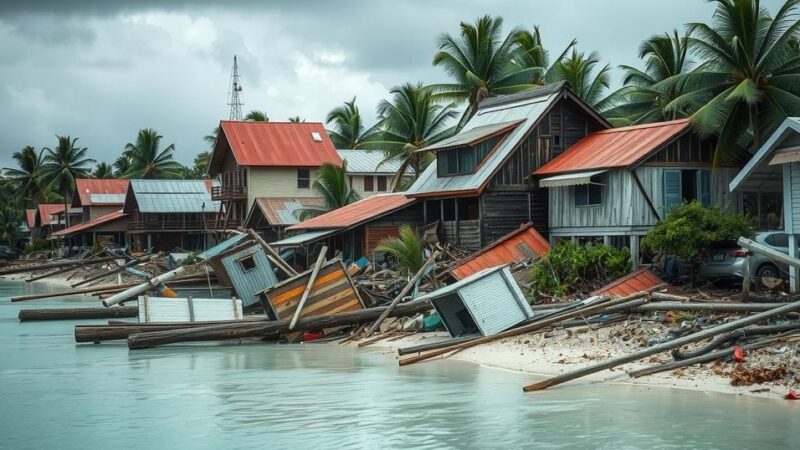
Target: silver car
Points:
(726, 260)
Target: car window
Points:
(778, 240)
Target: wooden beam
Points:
(311, 279)
(276, 258)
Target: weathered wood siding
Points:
(503, 211)
(624, 205)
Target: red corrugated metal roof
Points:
(280, 210)
(30, 217)
(355, 213)
(279, 144)
(86, 187)
(614, 148)
(106, 218)
(636, 281)
(48, 209)
(509, 249)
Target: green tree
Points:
(644, 96)
(201, 163)
(347, 127)
(211, 138)
(122, 165)
(480, 62)
(11, 218)
(748, 78)
(62, 165)
(103, 171)
(586, 80)
(407, 248)
(296, 119)
(28, 175)
(412, 119)
(333, 187)
(529, 53)
(254, 116)
(148, 160)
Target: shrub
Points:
(39, 245)
(690, 228)
(407, 248)
(570, 268)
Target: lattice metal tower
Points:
(235, 92)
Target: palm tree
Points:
(121, 166)
(254, 116)
(103, 171)
(148, 160)
(748, 78)
(407, 248)
(28, 174)
(348, 130)
(643, 98)
(296, 119)
(332, 186)
(62, 165)
(479, 61)
(580, 72)
(529, 52)
(412, 119)
(211, 139)
(10, 220)
(201, 163)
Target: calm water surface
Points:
(56, 394)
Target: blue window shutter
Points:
(704, 186)
(673, 195)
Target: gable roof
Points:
(356, 213)
(274, 144)
(509, 249)
(45, 210)
(615, 147)
(99, 192)
(368, 162)
(527, 108)
(88, 225)
(473, 136)
(790, 125)
(280, 211)
(172, 196)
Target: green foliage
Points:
(588, 82)
(256, 116)
(103, 171)
(347, 126)
(407, 248)
(570, 268)
(333, 187)
(692, 227)
(28, 175)
(147, 160)
(63, 164)
(38, 245)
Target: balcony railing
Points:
(228, 192)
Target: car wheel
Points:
(767, 270)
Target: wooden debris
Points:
(27, 315)
(311, 279)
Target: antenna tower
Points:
(235, 93)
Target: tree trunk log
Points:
(27, 315)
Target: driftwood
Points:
(712, 307)
(117, 269)
(27, 315)
(56, 264)
(695, 337)
(51, 274)
(100, 333)
(268, 328)
(598, 305)
(435, 345)
(99, 290)
(311, 279)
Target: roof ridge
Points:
(643, 126)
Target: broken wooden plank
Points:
(311, 279)
(28, 315)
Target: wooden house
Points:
(481, 186)
(616, 184)
(99, 203)
(270, 216)
(775, 168)
(108, 228)
(367, 172)
(167, 214)
(47, 219)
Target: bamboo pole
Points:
(431, 261)
(707, 333)
(271, 251)
(53, 273)
(27, 315)
(311, 279)
(56, 264)
(714, 307)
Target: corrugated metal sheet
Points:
(528, 109)
(163, 310)
(277, 144)
(636, 281)
(45, 210)
(332, 293)
(491, 297)
(302, 238)
(519, 245)
(369, 162)
(88, 225)
(617, 147)
(100, 192)
(472, 136)
(356, 213)
(222, 246)
(248, 284)
(173, 196)
(280, 211)
(757, 168)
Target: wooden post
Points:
(746, 278)
(675, 343)
(635, 251)
(607, 240)
(790, 259)
(431, 260)
(270, 251)
(311, 279)
(793, 284)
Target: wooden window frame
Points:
(303, 182)
(371, 187)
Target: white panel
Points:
(492, 304)
(162, 309)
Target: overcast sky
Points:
(101, 70)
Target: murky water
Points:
(56, 394)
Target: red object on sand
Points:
(738, 354)
(792, 395)
(312, 335)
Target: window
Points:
(763, 209)
(247, 263)
(778, 240)
(589, 194)
(303, 178)
(686, 185)
(455, 161)
(369, 184)
(382, 184)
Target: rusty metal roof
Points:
(280, 211)
(88, 225)
(519, 245)
(636, 281)
(99, 192)
(30, 217)
(275, 144)
(45, 210)
(615, 148)
(356, 213)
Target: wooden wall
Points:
(503, 211)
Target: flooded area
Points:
(56, 394)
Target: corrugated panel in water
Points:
(163, 310)
(248, 283)
(495, 303)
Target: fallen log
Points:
(712, 307)
(268, 328)
(435, 345)
(28, 315)
(56, 264)
(51, 274)
(102, 289)
(117, 269)
(100, 333)
(688, 339)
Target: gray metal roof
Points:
(302, 238)
(173, 196)
(221, 247)
(541, 91)
(368, 162)
(461, 283)
(467, 137)
(527, 108)
(109, 199)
